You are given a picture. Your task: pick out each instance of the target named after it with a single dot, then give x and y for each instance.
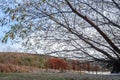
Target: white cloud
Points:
(8, 47)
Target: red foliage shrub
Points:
(88, 66)
(75, 65)
(56, 63)
(96, 68)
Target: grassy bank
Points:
(53, 76)
(26, 62)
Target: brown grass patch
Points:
(15, 68)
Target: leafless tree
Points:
(84, 29)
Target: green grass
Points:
(48, 76)
(30, 76)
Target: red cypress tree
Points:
(56, 63)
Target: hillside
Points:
(20, 62)
(26, 62)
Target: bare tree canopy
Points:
(84, 29)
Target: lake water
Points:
(100, 72)
(103, 73)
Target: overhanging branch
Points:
(95, 26)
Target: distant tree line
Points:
(75, 65)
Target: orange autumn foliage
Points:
(88, 66)
(56, 63)
(96, 68)
(75, 65)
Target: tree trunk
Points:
(116, 67)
